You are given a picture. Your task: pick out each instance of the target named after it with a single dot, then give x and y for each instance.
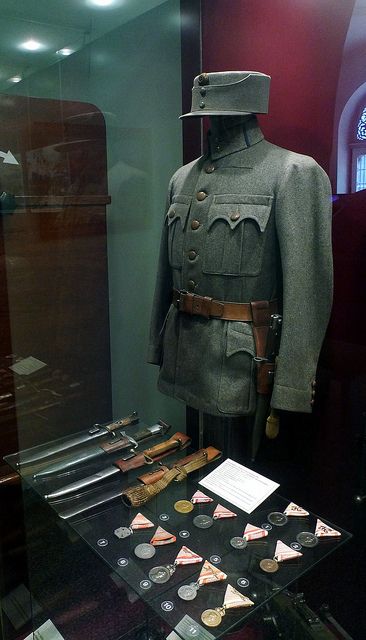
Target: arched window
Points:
(359, 155)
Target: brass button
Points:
(192, 254)
(201, 195)
(195, 224)
(171, 213)
(235, 216)
(203, 79)
(203, 92)
(191, 285)
(202, 105)
(210, 168)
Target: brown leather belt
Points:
(207, 307)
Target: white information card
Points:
(239, 485)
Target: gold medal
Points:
(212, 617)
(183, 506)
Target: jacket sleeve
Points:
(303, 222)
(162, 296)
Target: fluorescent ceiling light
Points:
(32, 45)
(15, 79)
(66, 51)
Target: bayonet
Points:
(93, 452)
(76, 505)
(130, 461)
(38, 454)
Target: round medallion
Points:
(145, 551)
(203, 522)
(307, 539)
(211, 618)
(268, 565)
(277, 518)
(187, 591)
(183, 506)
(238, 543)
(159, 575)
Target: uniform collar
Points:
(232, 134)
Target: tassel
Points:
(273, 425)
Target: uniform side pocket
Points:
(237, 394)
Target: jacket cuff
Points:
(289, 399)
(154, 355)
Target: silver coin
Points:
(187, 592)
(123, 532)
(159, 575)
(203, 522)
(238, 543)
(145, 551)
(277, 518)
(307, 539)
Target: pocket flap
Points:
(239, 338)
(234, 208)
(177, 210)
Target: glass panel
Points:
(89, 137)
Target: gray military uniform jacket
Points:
(248, 221)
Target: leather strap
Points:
(207, 307)
(154, 454)
(210, 452)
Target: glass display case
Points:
(90, 97)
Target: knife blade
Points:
(93, 452)
(37, 454)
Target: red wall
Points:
(299, 44)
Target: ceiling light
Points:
(65, 51)
(15, 79)
(31, 45)
(102, 3)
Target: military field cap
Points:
(229, 93)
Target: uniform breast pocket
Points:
(236, 234)
(176, 220)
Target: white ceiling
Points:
(56, 24)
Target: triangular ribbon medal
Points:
(209, 573)
(186, 556)
(294, 510)
(233, 599)
(323, 530)
(283, 552)
(222, 512)
(161, 537)
(140, 522)
(254, 533)
(199, 497)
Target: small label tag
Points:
(46, 631)
(27, 366)
(189, 629)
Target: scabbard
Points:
(154, 454)
(139, 495)
(149, 478)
